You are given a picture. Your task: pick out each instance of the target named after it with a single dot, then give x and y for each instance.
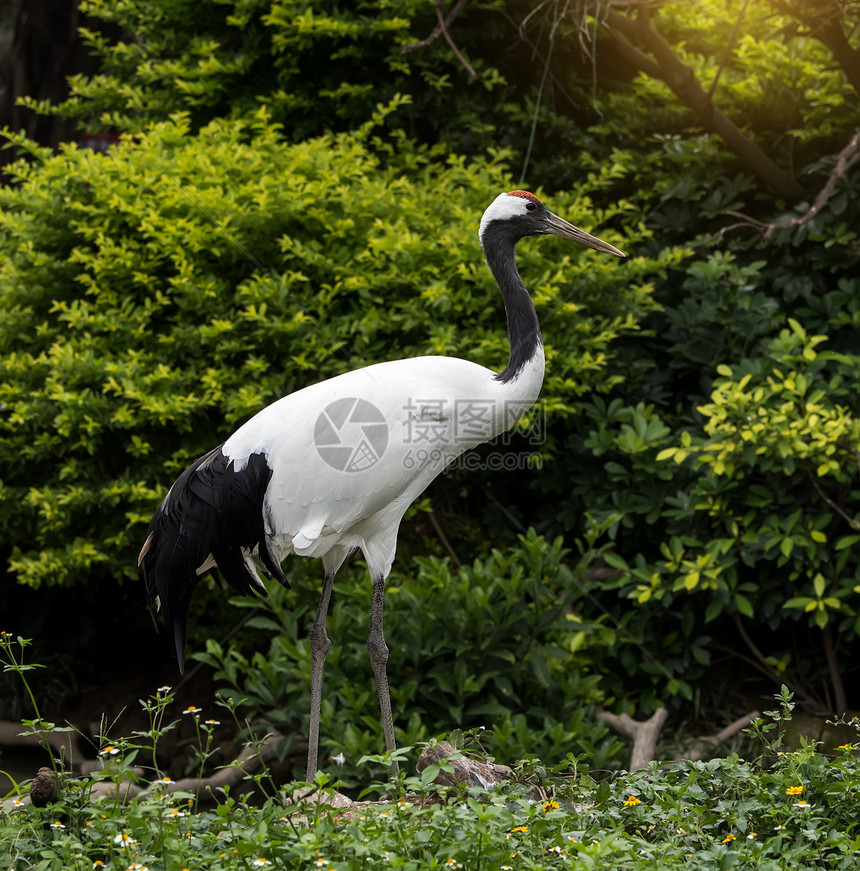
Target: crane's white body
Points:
(435, 408)
(281, 484)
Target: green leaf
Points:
(744, 606)
(799, 602)
(819, 584)
(615, 561)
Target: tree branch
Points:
(438, 30)
(537, 53)
(847, 57)
(825, 21)
(845, 161)
(840, 702)
(728, 49)
(841, 512)
(434, 522)
(450, 41)
(763, 664)
(683, 83)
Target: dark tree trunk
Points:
(44, 50)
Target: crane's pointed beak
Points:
(560, 227)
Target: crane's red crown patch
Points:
(526, 195)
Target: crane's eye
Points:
(531, 206)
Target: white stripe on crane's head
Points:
(505, 206)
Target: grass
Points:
(794, 809)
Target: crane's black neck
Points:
(499, 241)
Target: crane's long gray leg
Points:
(320, 645)
(378, 650)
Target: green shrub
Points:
(755, 501)
(317, 68)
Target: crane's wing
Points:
(211, 519)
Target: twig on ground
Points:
(248, 761)
(706, 744)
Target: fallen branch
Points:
(704, 747)
(643, 733)
(250, 760)
(62, 743)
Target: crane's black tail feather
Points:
(211, 520)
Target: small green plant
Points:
(12, 656)
(773, 722)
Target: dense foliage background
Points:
(296, 192)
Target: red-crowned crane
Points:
(333, 467)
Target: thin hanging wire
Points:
(596, 18)
(539, 98)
